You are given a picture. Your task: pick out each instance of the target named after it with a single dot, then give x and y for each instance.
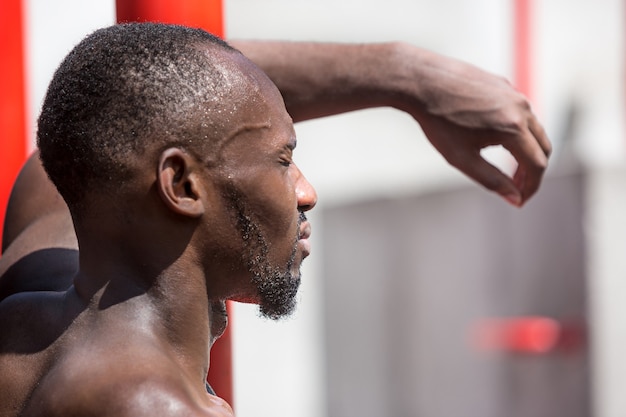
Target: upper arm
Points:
(37, 225)
(319, 79)
(33, 198)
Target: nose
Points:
(305, 193)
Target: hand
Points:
(463, 109)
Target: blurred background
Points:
(425, 295)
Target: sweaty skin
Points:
(120, 340)
(461, 108)
(151, 356)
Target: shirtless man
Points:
(173, 154)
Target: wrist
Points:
(410, 77)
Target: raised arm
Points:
(34, 198)
(38, 243)
(461, 109)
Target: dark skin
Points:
(147, 293)
(75, 315)
(461, 108)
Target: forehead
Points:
(246, 110)
(261, 109)
(267, 130)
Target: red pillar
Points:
(522, 46)
(13, 139)
(208, 15)
(205, 14)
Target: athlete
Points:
(165, 184)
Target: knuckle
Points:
(515, 120)
(523, 103)
(518, 114)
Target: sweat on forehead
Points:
(127, 88)
(247, 106)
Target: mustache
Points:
(301, 219)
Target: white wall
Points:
(52, 28)
(373, 152)
(581, 63)
(279, 366)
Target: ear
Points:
(178, 184)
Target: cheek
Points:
(280, 210)
(275, 202)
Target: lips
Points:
(303, 240)
(305, 230)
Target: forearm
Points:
(323, 79)
(460, 107)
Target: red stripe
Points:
(13, 141)
(221, 369)
(523, 47)
(205, 14)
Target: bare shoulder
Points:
(133, 392)
(31, 326)
(31, 323)
(39, 243)
(33, 197)
(53, 365)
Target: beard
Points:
(277, 286)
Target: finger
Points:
(491, 178)
(540, 135)
(519, 177)
(531, 175)
(532, 162)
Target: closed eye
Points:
(287, 153)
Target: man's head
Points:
(121, 89)
(172, 130)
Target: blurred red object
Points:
(527, 334)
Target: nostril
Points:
(305, 207)
(307, 198)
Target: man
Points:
(173, 154)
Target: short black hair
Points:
(118, 90)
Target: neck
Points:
(170, 307)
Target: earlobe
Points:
(177, 183)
